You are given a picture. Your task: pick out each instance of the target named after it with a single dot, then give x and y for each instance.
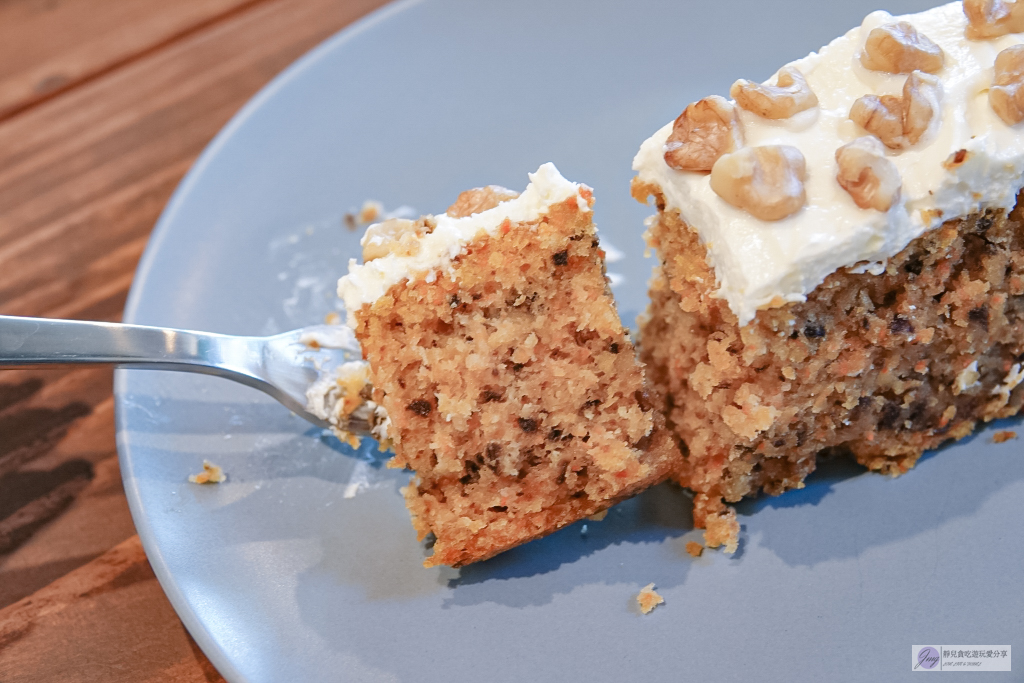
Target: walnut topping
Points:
(993, 18)
(395, 236)
(900, 121)
(703, 132)
(922, 97)
(864, 171)
(789, 96)
(898, 48)
(480, 199)
(767, 182)
(1006, 94)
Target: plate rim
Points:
(193, 624)
(219, 651)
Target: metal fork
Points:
(283, 366)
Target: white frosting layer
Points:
(760, 263)
(365, 283)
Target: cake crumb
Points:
(967, 379)
(648, 599)
(332, 318)
(1004, 436)
(695, 549)
(368, 213)
(211, 474)
(337, 396)
(598, 516)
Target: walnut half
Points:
(993, 18)
(480, 199)
(703, 132)
(900, 122)
(1007, 92)
(399, 236)
(864, 171)
(767, 182)
(790, 95)
(898, 48)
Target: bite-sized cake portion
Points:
(512, 388)
(341, 394)
(841, 256)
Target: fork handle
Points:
(36, 341)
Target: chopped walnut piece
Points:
(789, 96)
(898, 48)
(922, 97)
(767, 182)
(1007, 94)
(900, 122)
(480, 199)
(703, 132)
(395, 236)
(864, 171)
(993, 18)
(882, 116)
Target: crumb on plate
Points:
(1001, 437)
(598, 516)
(648, 599)
(694, 549)
(370, 211)
(211, 474)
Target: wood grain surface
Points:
(103, 107)
(48, 47)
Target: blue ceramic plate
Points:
(304, 567)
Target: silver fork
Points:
(283, 366)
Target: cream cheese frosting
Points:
(367, 282)
(760, 264)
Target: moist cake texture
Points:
(841, 257)
(511, 386)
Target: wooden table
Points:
(104, 105)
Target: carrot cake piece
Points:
(511, 387)
(841, 255)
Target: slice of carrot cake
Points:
(841, 255)
(511, 386)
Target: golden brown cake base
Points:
(513, 390)
(879, 366)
